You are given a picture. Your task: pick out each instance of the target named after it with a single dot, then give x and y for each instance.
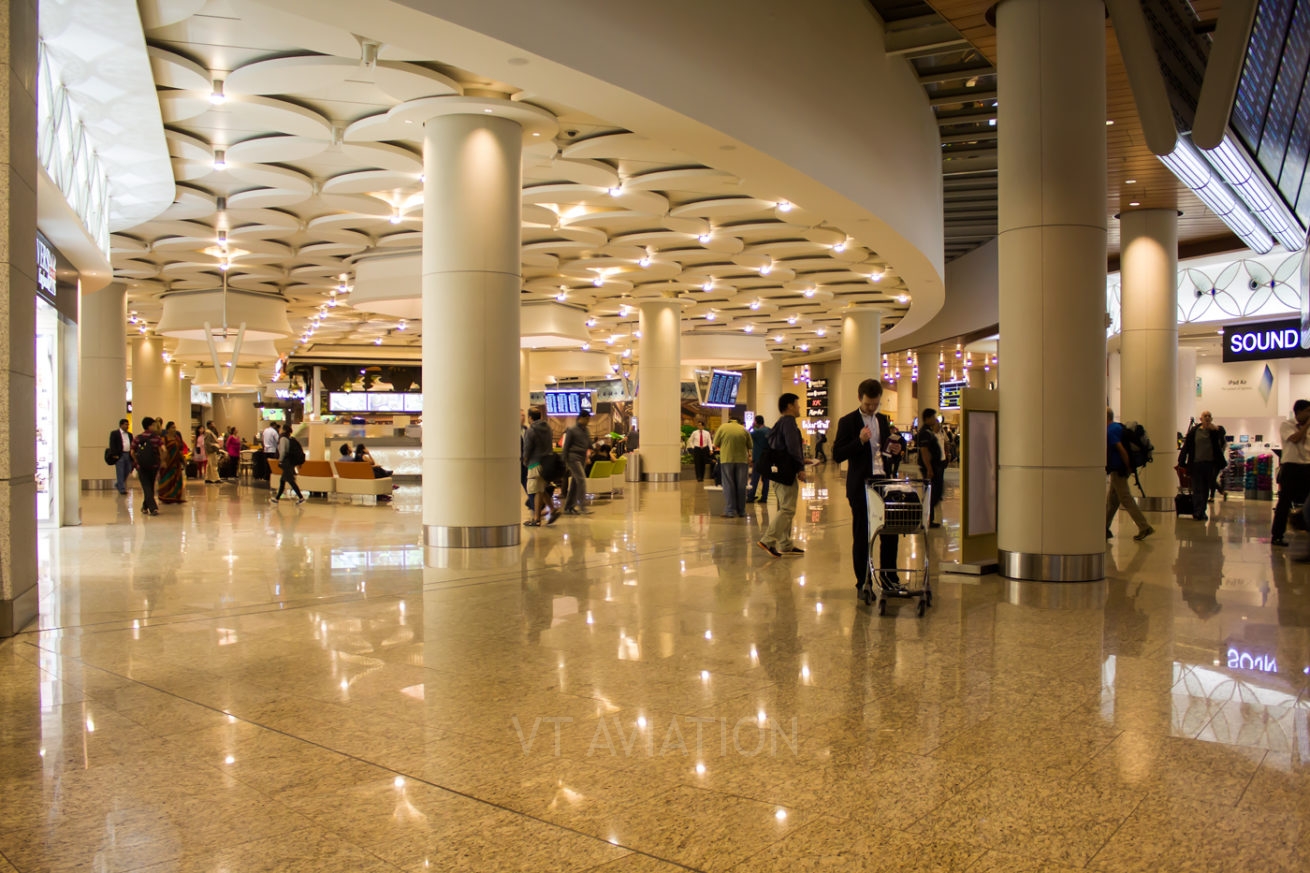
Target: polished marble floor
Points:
(234, 686)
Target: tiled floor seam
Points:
(1254, 772)
(1132, 812)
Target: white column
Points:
(929, 380)
(1051, 94)
(471, 232)
(102, 381)
(861, 356)
(1186, 392)
(525, 379)
(147, 380)
(1114, 381)
(661, 390)
(184, 384)
(905, 396)
(768, 387)
(236, 410)
(1149, 341)
(316, 395)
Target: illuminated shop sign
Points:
(45, 271)
(1265, 340)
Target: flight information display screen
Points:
(724, 385)
(949, 394)
(568, 401)
(1271, 112)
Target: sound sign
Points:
(1263, 341)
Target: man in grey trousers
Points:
(577, 448)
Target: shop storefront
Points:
(56, 381)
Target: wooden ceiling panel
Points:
(1152, 185)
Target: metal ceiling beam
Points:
(956, 73)
(966, 116)
(983, 135)
(927, 35)
(955, 96)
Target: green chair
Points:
(617, 474)
(601, 479)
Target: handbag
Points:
(779, 465)
(110, 458)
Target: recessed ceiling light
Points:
(486, 110)
(1134, 203)
(704, 238)
(750, 328)
(1130, 181)
(784, 206)
(217, 97)
(1109, 121)
(220, 160)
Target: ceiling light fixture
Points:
(784, 206)
(598, 281)
(750, 328)
(591, 322)
(378, 341)
(395, 215)
(704, 238)
(710, 316)
(792, 319)
(755, 304)
(902, 298)
(220, 159)
(216, 96)
(1109, 121)
(616, 190)
(805, 347)
(840, 247)
(876, 275)
(403, 324)
(778, 338)
(810, 292)
(707, 285)
(562, 296)
(586, 347)
(1134, 203)
(766, 269)
(1130, 181)
(644, 262)
(820, 331)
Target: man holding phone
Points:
(862, 437)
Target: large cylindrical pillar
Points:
(102, 381)
(1149, 341)
(929, 382)
(471, 233)
(661, 390)
(905, 396)
(236, 410)
(525, 379)
(861, 356)
(1052, 232)
(148, 380)
(1186, 409)
(768, 387)
(184, 384)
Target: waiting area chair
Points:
(600, 479)
(616, 476)
(355, 481)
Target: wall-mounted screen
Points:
(348, 402)
(722, 392)
(414, 403)
(568, 401)
(950, 393)
(380, 402)
(270, 414)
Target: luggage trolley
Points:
(902, 507)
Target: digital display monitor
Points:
(347, 402)
(568, 401)
(414, 403)
(723, 389)
(380, 402)
(1271, 111)
(270, 414)
(949, 394)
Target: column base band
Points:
(1052, 568)
(98, 484)
(1155, 504)
(660, 477)
(486, 537)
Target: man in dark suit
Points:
(119, 451)
(862, 437)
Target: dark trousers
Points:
(701, 456)
(1292, 491)
(888, 545)
(147, 477)
(288, 478)
(938, 493)
(757, 479)
(1202, 473)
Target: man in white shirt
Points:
(269, 438)
(701, 443)
(862, 437)
(1293, 468)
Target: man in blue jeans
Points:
(120, 450)
(759, 441)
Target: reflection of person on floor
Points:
(1199, 569)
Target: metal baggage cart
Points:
(902, 507)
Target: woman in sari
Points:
(172, 469)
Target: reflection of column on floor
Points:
(1052, 279)
(661, 390)
(471, 234)
(18, 171)
(1149, 341)
(102, 380)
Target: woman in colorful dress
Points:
(172, 472)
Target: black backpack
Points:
(552, 467)
(147, 454)
(295, 452)
(1138, 445)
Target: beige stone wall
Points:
(18, 181)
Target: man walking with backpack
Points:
(785, 467)
(1120, 466)
(146, 455)
(290, 455)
